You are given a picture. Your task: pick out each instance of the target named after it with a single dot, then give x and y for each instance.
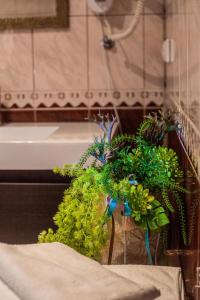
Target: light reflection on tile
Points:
(121, 67)
(15, 61)
(119, 7)
(60, 57)
(78, 7)
(154, 7)
(154, 65)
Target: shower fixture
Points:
(101, 7)
(169, 51)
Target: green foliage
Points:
(122, 139)
(147, 212)
(119, 166)
(167, 201)
(157, 167)
(69, 170)
(80, 218)
(193, 216)
(181, 211)
(98, 149)
(155, 126)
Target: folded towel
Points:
(57, 272)
(167, 279)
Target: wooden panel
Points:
(31, 176)
(189, 259)
(30, 15)
(26, 209)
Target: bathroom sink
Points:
(45, 145)
(12, 133)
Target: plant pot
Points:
(129, 242)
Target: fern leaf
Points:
(144, 126)
(87, 154)
(167, 201)
(192, 220)
(165, 237)
(123, 138)
(177, 187)
(182, 219)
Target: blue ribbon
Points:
(133, 182)
(127, 209)
(112, 205)
(148, 249)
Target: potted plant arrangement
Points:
(135, 175)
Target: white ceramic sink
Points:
(25, 133)
(44, 146)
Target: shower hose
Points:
(110, 40)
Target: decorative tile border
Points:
(64, 99)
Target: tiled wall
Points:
(183, 76)
(183, 93)
(60, 68)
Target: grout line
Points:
(164, 38)
(82, 90)
(84, 108)
(144, 58)
(87, 57)
(33, 73)
(87, 49)
(143, 51)
(116, 15)
(33, 59)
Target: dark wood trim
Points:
(32, 176)
(60, 21)
(188, 256)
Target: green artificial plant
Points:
(137, 173)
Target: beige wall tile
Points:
(154, 7)
(66, 59)
(185, 32)
(192, 6)
(169, 67)
(78, 7)
(173, 69)
(171, 6)
(182, 37)
(154, 65)
(121, 67)
(125, 7)
(176, 6)
(194, 67)
(193, 52)
(60, 57)
(15, 61)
